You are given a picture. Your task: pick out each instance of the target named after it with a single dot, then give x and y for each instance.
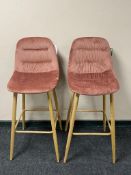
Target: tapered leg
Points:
(104, 112)
(13, 125)
(57, 108)
(53, 125)
(75, 104)
(112, 128)
(69, 112)
(23, 108)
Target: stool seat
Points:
(93, 84)
(90, 70)
(21, 82)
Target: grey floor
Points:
(89, 155)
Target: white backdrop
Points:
(62, 21)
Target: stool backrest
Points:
(90, 55)
(35, 54)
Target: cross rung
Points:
(38, 109)
(89, 133)
(86, 110)
(34, 132)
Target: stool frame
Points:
(111, 122)
(50, 95)
(71, 119)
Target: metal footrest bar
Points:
(34, 132)
(86, 110)
(38, 109)
(89, 133)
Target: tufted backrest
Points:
(35, 54)
(90, 55)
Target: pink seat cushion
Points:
(36, 66)
(90, 69)
(32, 82)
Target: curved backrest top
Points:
(90, 55)
(35, 54)
(90, 43)
(39, 43)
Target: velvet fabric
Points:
(36, 66)
(90, 70)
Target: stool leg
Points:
(69, 112)
(75, 104)
(104, 112)
(53, 125)
(13, 125)
(57, 108)
(112, 128)
(23, 108)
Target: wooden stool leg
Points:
(13, 125)
(69, 112)
(57, 108)
(23, 108)
(53, 125)
(75, 104)
(112, 113)
(104, 112)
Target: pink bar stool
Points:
(36, 71)
(90, 73)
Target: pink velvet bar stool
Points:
(90, 73)
(36, 71)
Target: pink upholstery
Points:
(36, 66)
(90, 69)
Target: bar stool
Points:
(90, 73)
(36, 71)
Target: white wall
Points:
(62, 21)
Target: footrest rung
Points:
(89, 133)
(38, 109)
(87, 110)
(34, 132)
